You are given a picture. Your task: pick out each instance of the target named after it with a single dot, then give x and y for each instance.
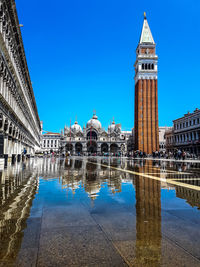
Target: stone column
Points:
(84, 148)
(2, 151)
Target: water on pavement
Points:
(100, 212)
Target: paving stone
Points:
(120, 226)
(27, 258)
(182, 232)
(61, 216)
(79, 246)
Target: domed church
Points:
(94, 139)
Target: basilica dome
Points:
(76, 127)
(94, 123)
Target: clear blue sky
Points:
(81, 55)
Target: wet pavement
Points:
(100, 212)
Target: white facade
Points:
(50, 142)
(185, 134)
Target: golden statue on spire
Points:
(145, 15)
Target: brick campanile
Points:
(146, 93)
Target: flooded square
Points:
(100, 211)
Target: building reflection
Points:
(18, 186)
(91, 175)
(192, 197)
(148, 212)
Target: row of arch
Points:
(10, 92)
(181, 138)
(12, 40)
(191, 136)
(13, 131)
(92, 148)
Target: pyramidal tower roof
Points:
(146, 35)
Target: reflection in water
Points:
(148, 225)
(192, 196)
(92, 175)
(17, 189)
(86, 178)
(92, 183)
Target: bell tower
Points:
(146, 93)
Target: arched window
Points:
(142, 66)
(145, 66)
(152, 66)
(149, 66)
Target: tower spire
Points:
(146, 35)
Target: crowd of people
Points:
(177, 155)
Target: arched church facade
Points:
(94, 139)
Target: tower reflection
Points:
(148, 212)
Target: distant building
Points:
(162, 140)
(94, 139)
(50, 142)
(185, 134)
(169, 140)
